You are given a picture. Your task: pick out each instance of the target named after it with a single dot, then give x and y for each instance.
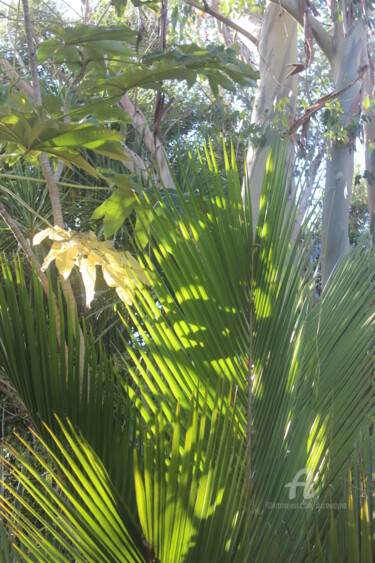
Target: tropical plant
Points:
(236, 383)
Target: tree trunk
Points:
(369, 141)
(346, 62)
(277, 49)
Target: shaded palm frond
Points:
(81, 516)
(53, 381)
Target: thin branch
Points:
(14, 77)
(136, 165)
(206, 8)
(25, 205)
(24, 244)
(31, 53)
(154, 144)
(67, 118)
(43, 160)
(175, 121)
(47, 170)
(13, 41)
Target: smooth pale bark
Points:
(345, 53)
(277, 49)
(345, 62)
(369, 140)
(152, 142)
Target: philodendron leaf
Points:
(115, 210)
(185, 63)
(31, 134)
(66, 44)
(120, 269)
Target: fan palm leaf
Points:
(221, 298)
(235, 312)
(50, 382)
(86, 524)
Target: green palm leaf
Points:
(220, 298)
(50, 382)
(82, 518)
(195, 506)
(212, 481)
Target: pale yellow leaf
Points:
(41, 236)
(59, 234)
(107, 275)
(88, 272)
(91, 236)
(120, 269)
(136, 268)
(56, 249)
(124, 295)
(65, 260)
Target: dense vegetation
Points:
(186, 363)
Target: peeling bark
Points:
(344, 49)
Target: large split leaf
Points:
(31, 134)
(186, 62)
(81, 43)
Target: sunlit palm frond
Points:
(81, 516)
(223, 298)
(234, 310)
(52, 379)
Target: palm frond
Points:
(195, 505)
(51, 381)
(231, 310)
(80, 518)
(220, 298)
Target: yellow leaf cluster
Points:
(120, 269)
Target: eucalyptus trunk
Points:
(345, 46)
(345, 63)
(277, 50)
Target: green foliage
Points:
(184, 63)
(115, 210)
(51, 378)
(29, 135)
(195, 506)
(87, 525)
(359, 215)
(230, 314)
(71, 43)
